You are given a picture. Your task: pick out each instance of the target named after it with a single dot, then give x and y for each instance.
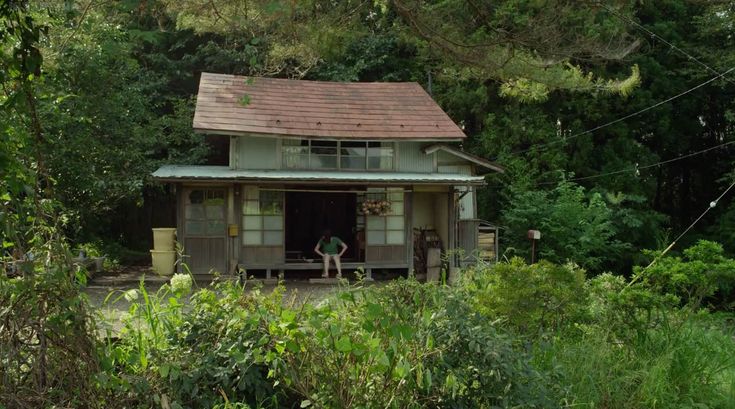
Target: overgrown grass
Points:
(684, 367)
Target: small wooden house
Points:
(373, 162)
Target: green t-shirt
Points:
(331, 246)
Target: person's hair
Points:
(327, 237)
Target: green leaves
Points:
(343, 344)
(575, 226)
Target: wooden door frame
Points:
(182, 191)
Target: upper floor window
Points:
(315, 154)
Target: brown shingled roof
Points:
(320, 109)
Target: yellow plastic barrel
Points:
(163, 261)
(164, 239)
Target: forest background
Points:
(538, 87)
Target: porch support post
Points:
(179, 192)
(368, 274)
(231, 240)
(453, 225)
(408, 223)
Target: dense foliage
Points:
(510, 335)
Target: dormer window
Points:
(331, 155)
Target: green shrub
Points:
(532, 298)
(622, 310)
(404, 345)
(49, 354)
(212, 352)
(702, 273)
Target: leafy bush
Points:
(702, 273)
(623, 310)
(403, 345)
(576, 226)
(406, 345)
(212, 352)
(605, 342)
(532, 298)
(49, 352)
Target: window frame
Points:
(311, 145)
(394, 195)
(261, 214)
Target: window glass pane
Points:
(324, 147)
(251, 192)
(352, 162)
(215, 196)
(251, 207)
(380, 155)
(252, 223)
(296, 161)
(296, 150)
(375, 237)
(215, 212)
(324, 161)
(194, 211)
(196, 197)
(380, 162)
(395, 195)
(216, 227)
(395, 237)
(194, 228)
(273, 223)
(252, 238)
(271, 202)
(395, 223)
(352, 155)
(376, 223)
(273, 238)
(396, 208)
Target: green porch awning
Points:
(191, 173)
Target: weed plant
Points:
(510, 335)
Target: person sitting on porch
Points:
(327, 248)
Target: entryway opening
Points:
(308, 214)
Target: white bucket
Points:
(163, 262)
(164, 239)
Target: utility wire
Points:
(711, 206)
(651, 165)
(637, 168)
(653, 35)
(597, 128)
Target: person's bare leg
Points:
(338, 264)
(325, 274)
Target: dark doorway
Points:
(309, 213)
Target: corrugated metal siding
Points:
(445, 158)
(455, 169)
(257, 153)
(412, 159)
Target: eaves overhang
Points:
(201, 173)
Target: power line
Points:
(711, 206)
(597, 128)
(656, 36)
(637, 167)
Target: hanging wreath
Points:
(372, 207)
